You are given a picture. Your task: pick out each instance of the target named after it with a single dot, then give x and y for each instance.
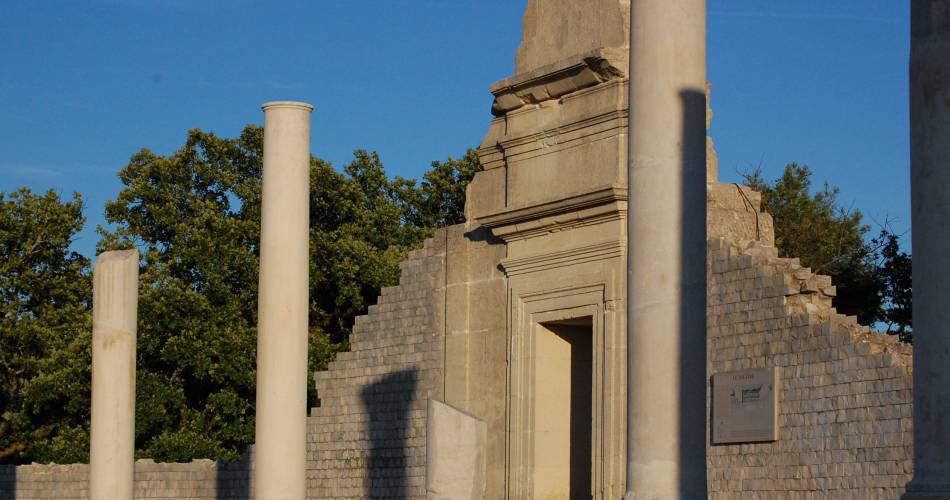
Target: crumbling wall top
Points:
(556, 29)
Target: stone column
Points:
(283, 302)
(112, 430)
(930, 219)
(666, 251)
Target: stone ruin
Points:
(508, 331)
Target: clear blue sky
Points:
(85, 84)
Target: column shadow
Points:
(8, 481)
(388, 403)
(234, 478)
(692, 348)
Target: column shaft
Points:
(666, 251)
(112, 430)
(930, 219)
(283, 302)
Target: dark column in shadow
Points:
(8, 481)
(692, 349)
(234, 479)
(388, 402)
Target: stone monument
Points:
(498, 367)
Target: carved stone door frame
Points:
(528, 311)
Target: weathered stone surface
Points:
(556, 29)
(559, 79)
(733, 212)
(456, 449)
(114, 327)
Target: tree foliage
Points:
(872, 275)
(195, 216)
(45, 324)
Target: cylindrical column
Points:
(930, 220)
(283, 301)
(666, 251)
(112, 430)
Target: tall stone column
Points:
(930, 219)
(112, 430)
(283, 302)
(666, 251)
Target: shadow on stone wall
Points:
(692, 395)
(388, 403)
(233, 480)
(7, 481)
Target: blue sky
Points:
(84, 85)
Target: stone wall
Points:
(367, 438)
(197, 480)
(845, 401)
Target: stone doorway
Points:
(562, 338)
(563, 416)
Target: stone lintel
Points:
(559, 79)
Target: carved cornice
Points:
(601, 204)
(563, 258)
(559, 79)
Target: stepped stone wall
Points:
(367, 438)
(846, 392)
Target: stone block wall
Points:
(367, 438)
(845, 411)
(197, 480)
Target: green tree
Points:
(439, 200)
(45, 325)
(195, 215)
(895, 270)
(872, 275)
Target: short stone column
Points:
(666, 251)
(930, 219)
(283, 301)
(112, 430)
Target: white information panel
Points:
(745, 406)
